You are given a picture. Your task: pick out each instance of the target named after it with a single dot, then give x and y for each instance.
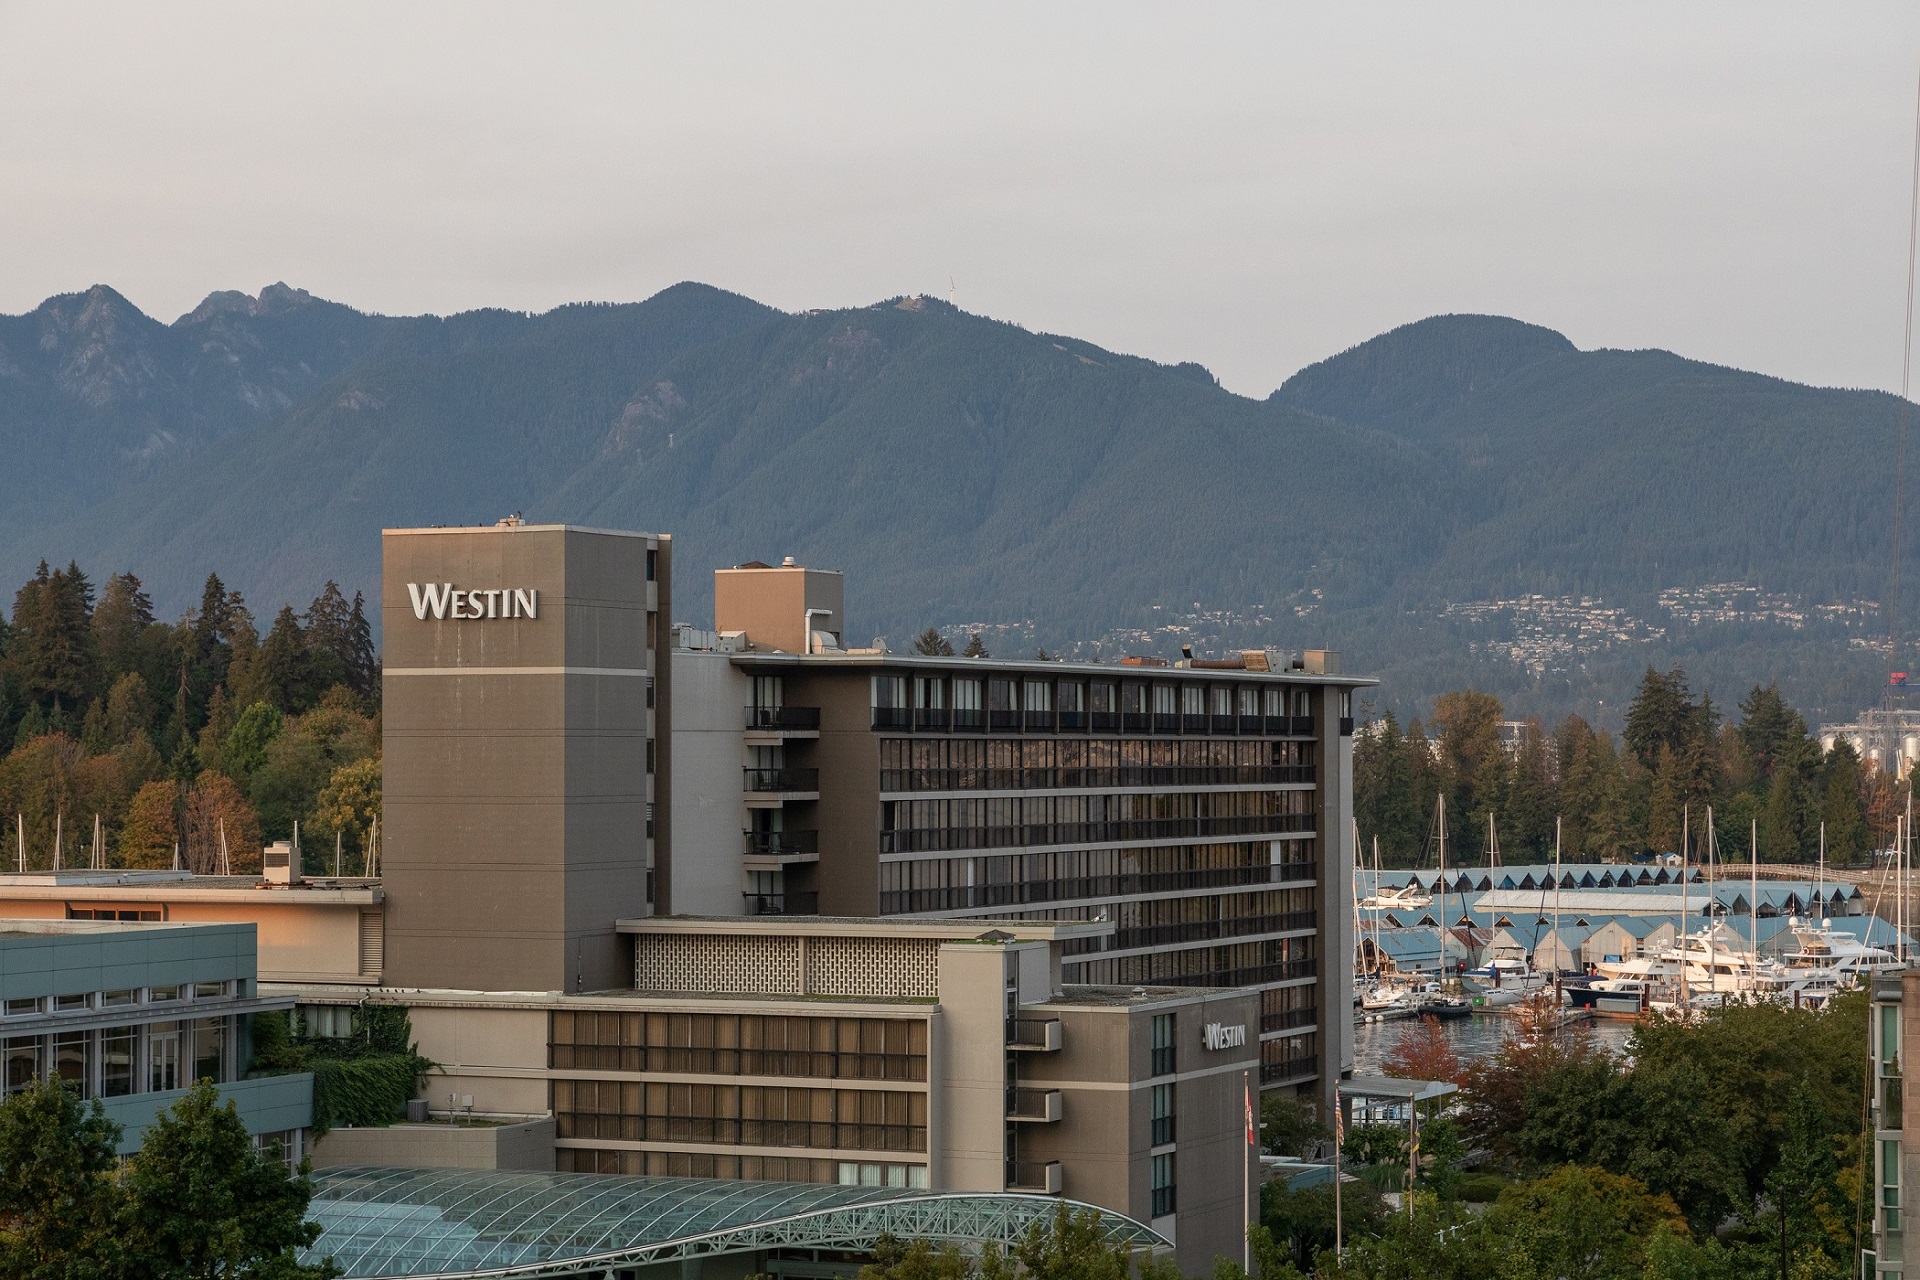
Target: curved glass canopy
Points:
(482, 1222)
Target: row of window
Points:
(1000, 764)
(1291, 1058)
(741, 1044)
(1240, 964)
(924, 826)
(743, 1115)
(121, 998)
(1072, 875)
(116, 1062)
(699, 1164)
(1073, 694)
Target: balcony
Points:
(1035, 1177)
(1302, 727)
(1034, 1106)
(930, 718)
(1037, 721)
(1034, 1035)
(1289, 1069)
(892, 718)
(783, 904)
(782, 781)
(782, 844)
(782, 719)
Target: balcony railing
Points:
(941, 839)
(1290, 1069)
(782, 779)
(1035, 1177)
(1034, 1106)
(779, 844)
(892, 718)
(1026, 892)
(1034, 1035)
(783, 717)
(1289, 1019)
(1073, 777)
(783, 904)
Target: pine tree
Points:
(329, 631)
(930, 643)
(1843, 806)
(1658, 716)
(363, 664)
(974, 649)
(287, 666)
(120, 623)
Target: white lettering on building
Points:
(1217, 1036)
(444, 600)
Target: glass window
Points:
(209, 990)
(1162, 1114)
(70, 1004)
(1039, 695)
(1163, 700)
(966, 695)
(163, 1057)
(159, 995)
(1163, 1052)
(1276, 702)
(115, 999)
(930, 693)
(20, 1059)
(766, 691)
(22, 1008)
(890, 692)
(1222, 700)
(1072, 696)
(73, 1060)
(1163, 1185)
(1000, 695)
(1101, 696)
(1193, 700)
(210, 1049)
(116, 1061)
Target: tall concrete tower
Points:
(526, 738)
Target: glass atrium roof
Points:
(483, 1222)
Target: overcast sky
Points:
(1253, 187)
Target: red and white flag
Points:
(1253, 1138)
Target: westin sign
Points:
(444, 600)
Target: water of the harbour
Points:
(1477, 1037)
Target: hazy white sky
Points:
(1250, 186)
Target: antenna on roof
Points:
(58, 818)
(20, 833)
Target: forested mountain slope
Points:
(968, 471)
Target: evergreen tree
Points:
(129, 709)
(211, 630)
(1769, 729)
(287, 665)
(363, 663)
(120, 623)
(930, 643)
(246, 746)
(1843, 806)
(1659, 715)
(974, 649)
(329, 632)
(51, 651)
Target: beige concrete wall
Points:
(710, 699)
(967, 1070)
(528, 1145)
(301, 939)
(1335, 902)
(515, 794)
(499, 1056)
(770, 604)
(847, 815)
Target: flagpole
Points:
(1339, 1139)
(1246, 1177)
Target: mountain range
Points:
(1462, 500)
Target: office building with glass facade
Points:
(136, 1013)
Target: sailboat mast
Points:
(1686, 814)
(1556, 894)
(1753, 891)
(1443, 883)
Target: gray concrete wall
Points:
(440, 1146)
(515, 759)
(710, 699)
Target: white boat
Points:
(1825, 947)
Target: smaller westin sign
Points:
(1217, 1036)
(444, 600)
